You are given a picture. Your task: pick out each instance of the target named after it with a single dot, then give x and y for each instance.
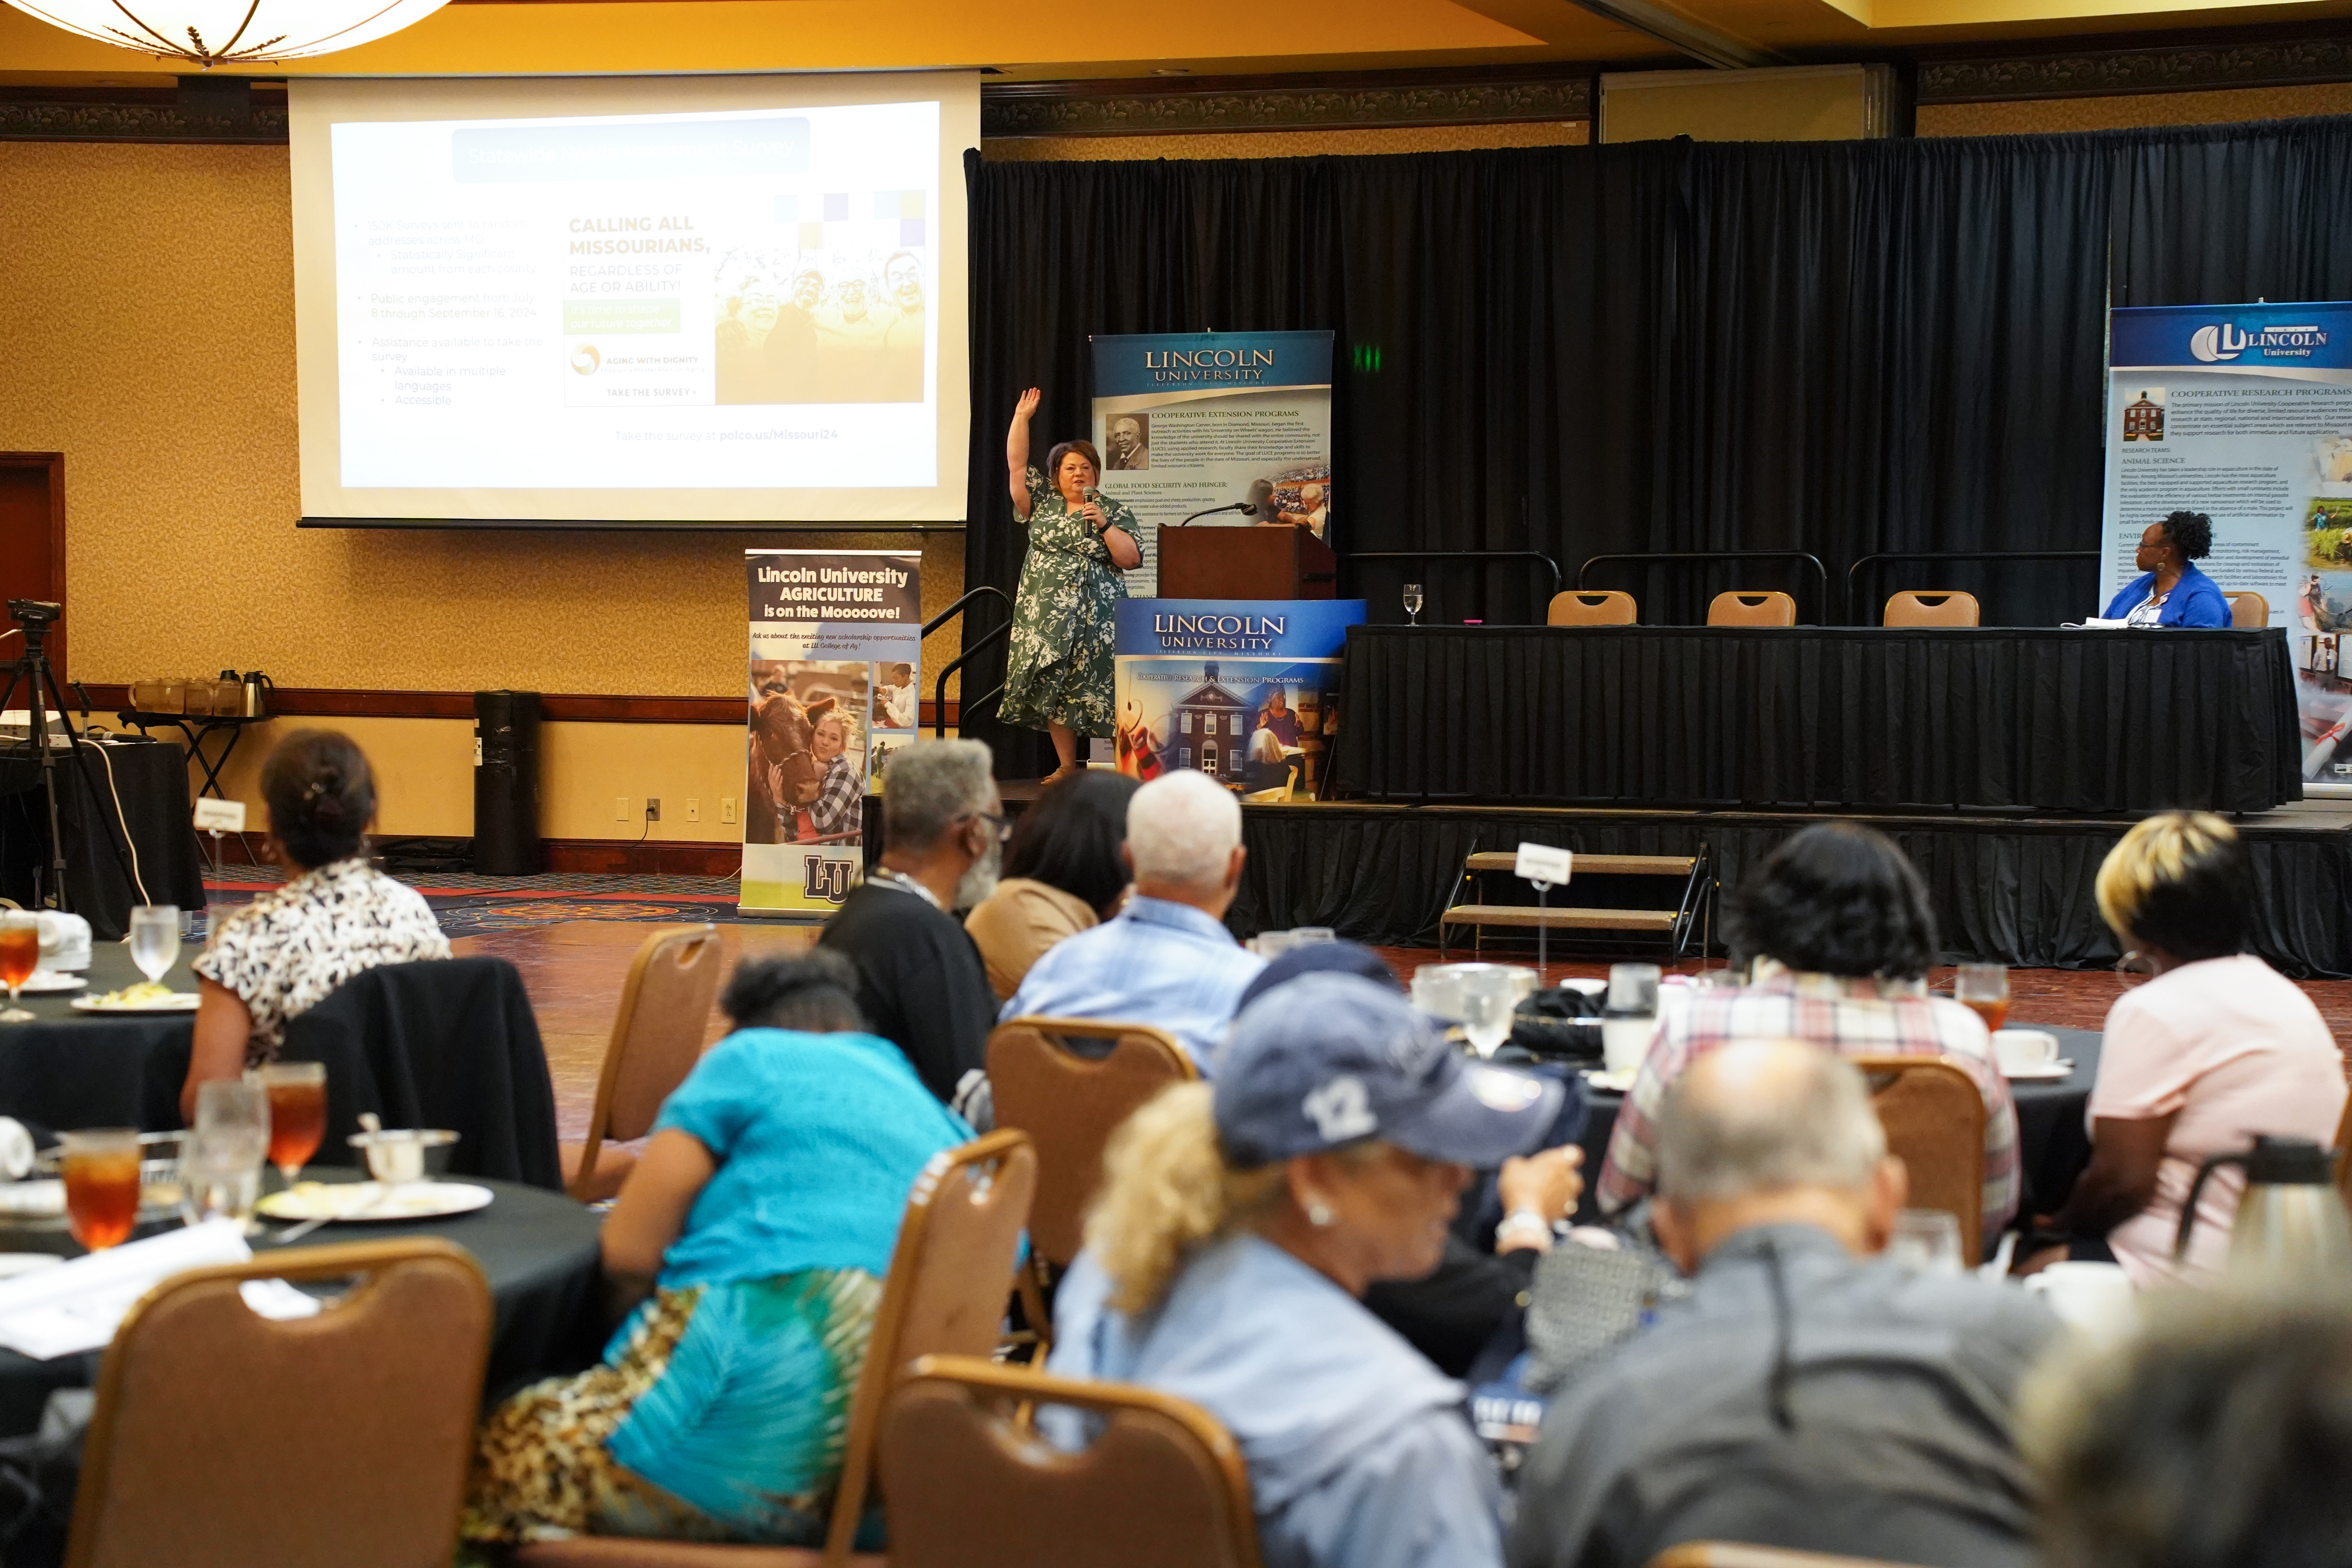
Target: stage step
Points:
(1594, 865)
(1657, 922)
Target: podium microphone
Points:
(1212, 512)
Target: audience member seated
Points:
(2170, 591)
(2217, 1047)
(920, 980)
(1837, 926)
(279, 956)
(1063, 874)
(1481, 1282)
(1239, 1226)
(747, 1249)
(1166, 958)
(1805, 1395)
(2219, 1436)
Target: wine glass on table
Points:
(1412, 602)
(1983, 989)
(102, 1175)
(297, 1113)
(20, 955)
(156, 939)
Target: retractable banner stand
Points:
(1246, 691)
(1240, 422)
(837, 649)
(2244, 412)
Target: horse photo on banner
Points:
(835, 652)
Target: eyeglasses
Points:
(1004, 825)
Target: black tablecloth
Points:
(537, 1248)
(1814, 718)
(151, 779)
(69, 1069)
(2052, 1144)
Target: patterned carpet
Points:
(471, 905)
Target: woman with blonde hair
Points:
(1238, 1228)
(2217, 1048)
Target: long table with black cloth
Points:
(130, 782)
(1814, 718)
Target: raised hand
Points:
(1028, 404)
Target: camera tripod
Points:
(32, 671)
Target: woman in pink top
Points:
(2215, 1048)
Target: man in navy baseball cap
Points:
(1329, 1059)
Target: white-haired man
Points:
(1807, 1394)
(1166, 959)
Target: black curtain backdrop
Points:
(1841, 347)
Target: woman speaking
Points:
(1058, 674)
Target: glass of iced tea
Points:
(101, 1174)
(1983, 988)
(297, 1113)
(20, 955)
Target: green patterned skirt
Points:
(720, 1413)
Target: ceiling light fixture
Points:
(208, 33)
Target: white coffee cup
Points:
(2096, 1298)
(2022, 1050)
(1624, 1042)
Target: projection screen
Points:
(634, 301)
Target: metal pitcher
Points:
(2290, 1216)
(257, 703)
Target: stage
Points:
(2010, 888)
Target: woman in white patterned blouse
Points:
(279, 955)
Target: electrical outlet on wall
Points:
(727, 808)
(693, 809)
(621, 809)
(652, 808)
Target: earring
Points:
(1319, 1213)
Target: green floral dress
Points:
(1063, 618)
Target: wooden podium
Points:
(1252, 562)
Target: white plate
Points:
(1614, 1083)
(177, 1002)
(2048, 1072)
(48, 980)
(368, 1201)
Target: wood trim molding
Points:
(1309, 102)
(134, 114)
(2176, 67)
(327, 702)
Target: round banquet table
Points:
(68, 1069)
(537, 1249)
(2052, 1143)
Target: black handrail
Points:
(1649, 556)
(987, 639)
(1550, 564)
(952, 611)
(1855, 606)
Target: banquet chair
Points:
(1593, 607)
(1162, 1485)
(2249, 611)
(1935, 1119)
(944, 1295)
(1070, 1101)
(658, 1033)
(1743, 609)
(1930, 607)
(2344, 1155)
(222, 1437)
(1736, 1554)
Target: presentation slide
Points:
(709, 309)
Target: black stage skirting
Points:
(2005, 891)
(1819, 718)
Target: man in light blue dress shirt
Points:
(1166, 959)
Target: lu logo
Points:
(826, 879)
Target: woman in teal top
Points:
(1057, 674)
(748, 1249)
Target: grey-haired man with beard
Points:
(921, 984)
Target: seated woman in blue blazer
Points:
(2169, 591)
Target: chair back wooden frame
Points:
(1070, 1103)
(143, 1456)
(657, 1037)
(2249, 611)
(1593, 607)
(1736, 1554)
(2344, 1155)
(1934, 1115)
(1741, 607)
(1930, 607)
(1145, 1431)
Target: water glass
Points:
(1306, 936)
(1412, 602)
(1634, 988)
(156, 939)
(220, 1177)
(1927, 1241)
(1271, 944)
(1437, 991)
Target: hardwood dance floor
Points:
(574, 968)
